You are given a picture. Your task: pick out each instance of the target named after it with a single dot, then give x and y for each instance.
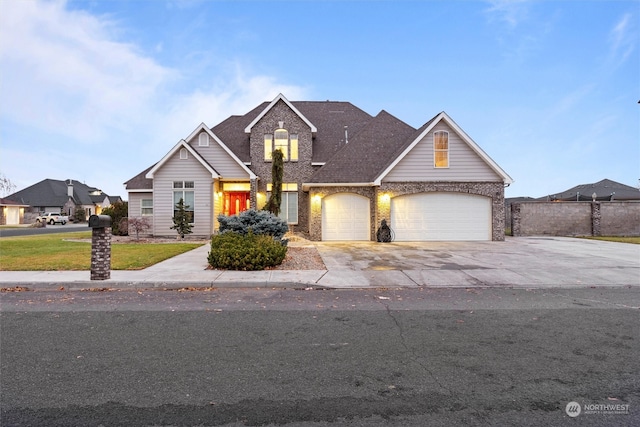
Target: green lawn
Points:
(635, 240)
(55, 252)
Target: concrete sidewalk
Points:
(524, 262)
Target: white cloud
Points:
(70, 83)
(511, 12)
(623, 39)
(64, 70)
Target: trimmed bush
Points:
(234, 251)
(257, 222)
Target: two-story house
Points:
(345, 171)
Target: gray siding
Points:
(219, 159)
(464, 164)
(135, 210)
(176, 169)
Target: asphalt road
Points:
(49, 229)
(236, 357)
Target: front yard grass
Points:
(57, 252)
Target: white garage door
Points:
(441, 216)
(345, 216)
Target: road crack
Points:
(415, 357)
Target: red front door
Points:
(236, 202)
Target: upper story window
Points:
(203, 139)
(184, 154)
(283, 141)
(441, 149)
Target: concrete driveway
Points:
(517, 262)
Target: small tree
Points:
(139, 225)
(6, 186)
(181, 219)
(277, 172)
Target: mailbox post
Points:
(100, 247)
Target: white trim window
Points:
(146, 207)
(283, 141)
(268, 146)
(184, 154)
(203, 139)
(184, 190)
(441, 149)
(288, 202)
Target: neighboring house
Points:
(605, 190)
(345, 171)
(11, 212)
(51, 195)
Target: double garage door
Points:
(415, 217)
(441, 216)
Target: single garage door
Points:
(345, 216)
(441, 216)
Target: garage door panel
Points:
(345, 217)
(441, 216)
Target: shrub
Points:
(139, 225)
(117, 211)
(257, 222)
(80, 215)
(234, 251)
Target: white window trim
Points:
(142, 208)
(272, 144)
(203, 142)
(183, 189)
(184, 154)
(448, 150)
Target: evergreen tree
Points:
(277, 171)
(181, 219)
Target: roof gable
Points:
(428, 127)
(181, 144)
(230, 153)
(282, 98)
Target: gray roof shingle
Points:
(53, 192)
(367, 153)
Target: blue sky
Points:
(99, 90)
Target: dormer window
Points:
(203, 139)
(441, 149)
(283, 141)
(184, 154)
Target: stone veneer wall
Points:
(101, 253)
(381, 206)
(298, 172)
(620, 218)
(575, 218)
(315, 218)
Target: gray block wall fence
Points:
(575, 218)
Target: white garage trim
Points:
(345, 216)
(441, 216)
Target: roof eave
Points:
(307, 185)
(282, 98)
